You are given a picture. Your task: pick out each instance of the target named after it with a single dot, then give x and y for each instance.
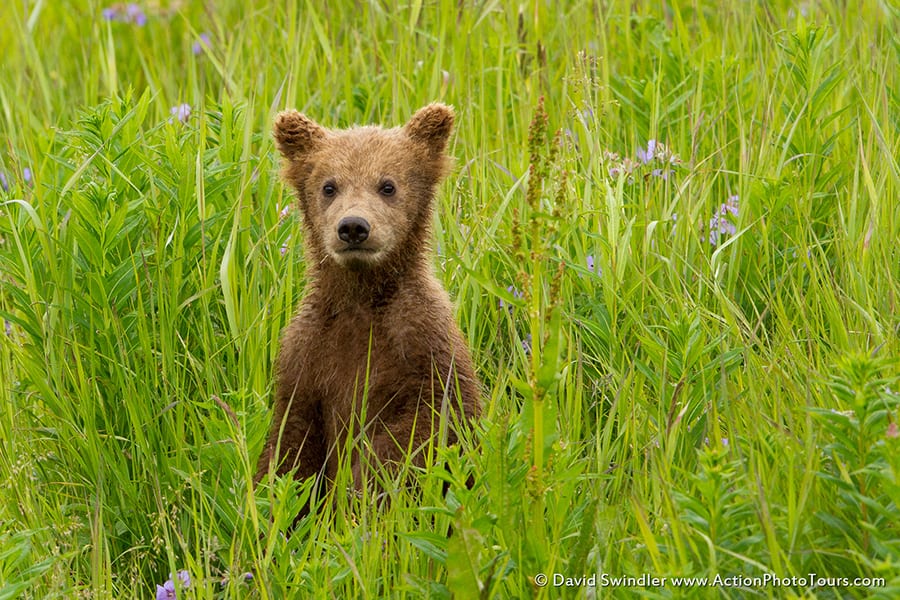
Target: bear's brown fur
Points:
(374, 345)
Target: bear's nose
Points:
(353, 230)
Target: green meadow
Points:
(672, 236)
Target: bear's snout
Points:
(353, 230)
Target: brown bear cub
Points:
(374, 351)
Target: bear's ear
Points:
(431, 125)
(296, 134)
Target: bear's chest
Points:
(363, 357)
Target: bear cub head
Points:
(365, 193)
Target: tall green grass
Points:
(689, 350)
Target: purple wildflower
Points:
(526, 344)
(3, 182)
(8, 327)
(516, 294)
(592, 266)
(26, 175)
(803, 10)
(724, 441)
(166, 591)
(730, 206)
(284, 249)
(130, 13)
(659, 158)
(246, 578)
(645, 156)
(284, 212)
(199, 45)
(182, 112)
(719, 224)
(134, 14)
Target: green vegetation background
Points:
(689, 346)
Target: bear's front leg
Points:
(405, 436)
(296, 439)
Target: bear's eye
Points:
(387, 188)
(329, 190)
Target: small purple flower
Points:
(284, 249)
(26, 175)
(803, 10)
(3, 182)
(572, 135)
(645, 156)
(719, 226)
(516, 294)
(130, 13)
(526, 344)
(199, 45)
(8, 327)
(284, 212)
(166, 591)
(726, 226)
(182, 112)
(134, 14)
(719, 223)
(592, 266)
(731, 205)
(724, 441)
(248, 577)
